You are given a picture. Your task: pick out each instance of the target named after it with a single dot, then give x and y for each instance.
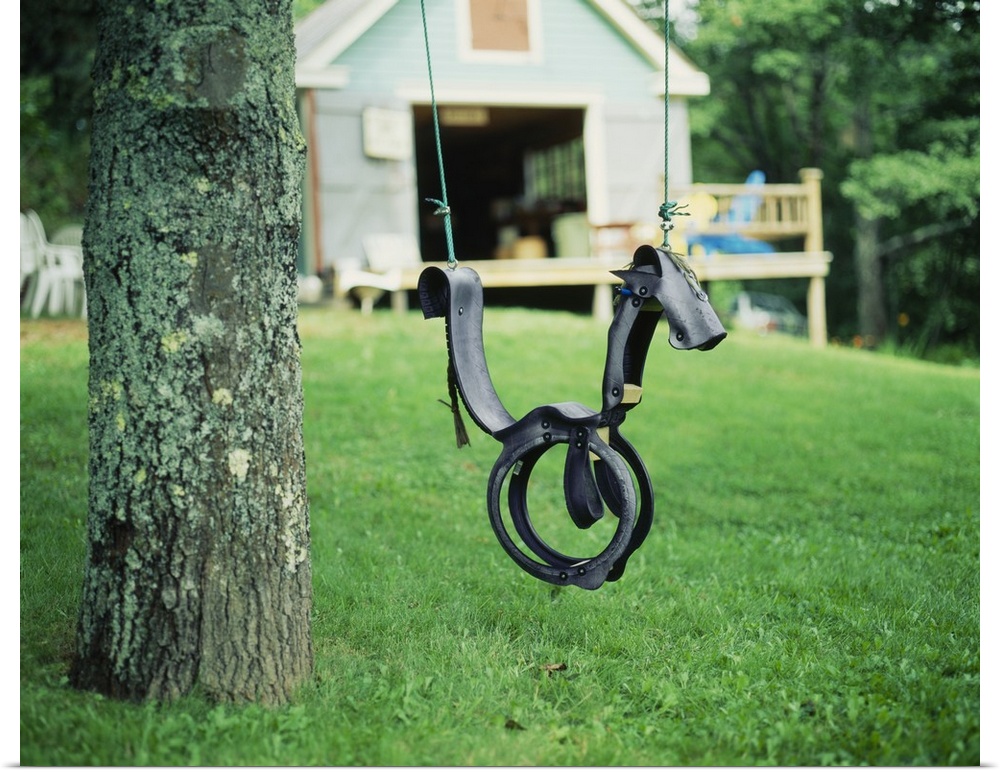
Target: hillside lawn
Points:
(809, 593)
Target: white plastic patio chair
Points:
(31, 261)
(58, 273)
(387, 255)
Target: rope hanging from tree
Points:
(671, 209)
(668, 209)
(443, 210)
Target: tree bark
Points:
(198, 573)
(868, 268)
(872, 318)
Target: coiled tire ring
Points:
(556, 567)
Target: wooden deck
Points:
(768, 213)
(565, 272)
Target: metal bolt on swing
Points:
(668, 211)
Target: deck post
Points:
(603, 305)
(814, 209)
(816, 311)
(816, 299)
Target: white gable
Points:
(326, 33)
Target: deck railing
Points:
(767, 212)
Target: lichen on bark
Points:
(198, 530)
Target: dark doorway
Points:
(509, 171)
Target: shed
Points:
(550, 113)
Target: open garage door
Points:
(512, 174)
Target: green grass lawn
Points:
(809, 593)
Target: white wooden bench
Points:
(784, 211)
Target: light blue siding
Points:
(358, 195)
(580, 50)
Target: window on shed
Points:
(500, 30)
(499, 25)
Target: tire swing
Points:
(602, 469)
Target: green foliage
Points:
(302, 8)
(884, 98)
(932, 266)
(934, 299)
(53, 158)
(943, 179)
(768, 62)
(57, 49)
(809, 594)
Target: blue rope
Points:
(443, 210)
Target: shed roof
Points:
(333, 27)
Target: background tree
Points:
(884, 97)
(198, 573)
(57, 51)
(915, 182)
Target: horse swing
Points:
(602, 468)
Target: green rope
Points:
(443, 210)
(668, 209)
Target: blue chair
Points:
(742, 209)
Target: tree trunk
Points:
(198, 573)
(868, 269)
(867, 262)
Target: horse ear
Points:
(434, 292)
(646, 255)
